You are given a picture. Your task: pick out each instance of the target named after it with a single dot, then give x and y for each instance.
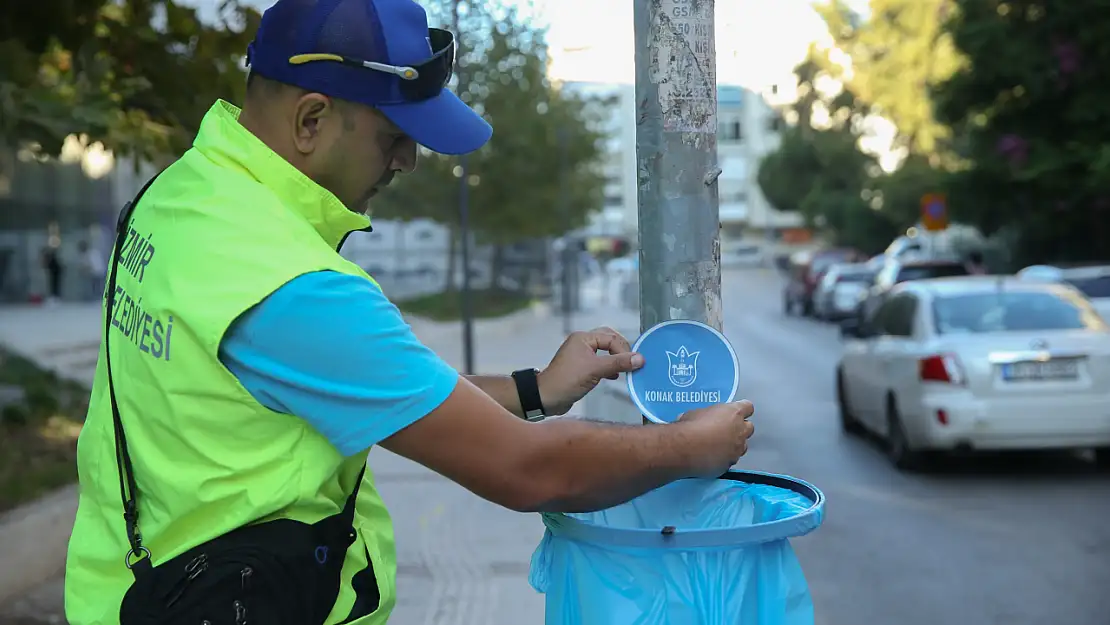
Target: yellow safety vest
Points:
(217, 232)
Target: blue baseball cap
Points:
(379, 53)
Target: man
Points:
(248, 368)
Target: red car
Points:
(806, 271)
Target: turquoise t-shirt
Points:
(332, 349)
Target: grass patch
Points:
(447, 306)
(38, 431)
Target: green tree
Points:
(819, 168)
(539, 174)
(897, 55)
(136, 75)
(1030, 110)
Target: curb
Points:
(33, 542)
(34, 536)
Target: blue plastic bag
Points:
(695, 552)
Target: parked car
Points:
(895, 272)
(806, 271)
(1093, 281)
(978, 363)
(742, 255)
(841, 289)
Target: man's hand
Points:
(725, 429)
(578, 367)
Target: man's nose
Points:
(404, 157)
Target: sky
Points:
(758, 41)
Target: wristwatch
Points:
(528, 389)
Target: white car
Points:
(840, 291)
(978, 363)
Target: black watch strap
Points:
(528, 389)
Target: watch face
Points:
(687, 365)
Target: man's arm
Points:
(561, 465)
(502, 388)
(363, 379)
(582, 361)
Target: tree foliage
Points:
(1030, 107)
(136, 75)
(539, 174)
(819, 168)
(897, 55)
(887, 66)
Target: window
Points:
(861, 277)
(895, 316)
(1001, 311)
(1096, 287)
(925, 272)
(729, 131)
(737, 196)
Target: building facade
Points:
(59, 204)
(748, 129)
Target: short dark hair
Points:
(975, 257)
(256, 81)
(258, 85)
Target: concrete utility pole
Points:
(464, 235)
(676, 158)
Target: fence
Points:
(414, 259)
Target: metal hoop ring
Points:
(143, 553)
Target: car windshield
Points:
(855, 276)
(1095, 287)
(925, 272)
(821, 263)
(1001, 311)
(827, 259)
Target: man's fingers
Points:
(744, 408)
(612, 366)
(607, 339)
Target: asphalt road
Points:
(1017, 540)
(1022, 540)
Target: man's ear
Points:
(312, 113)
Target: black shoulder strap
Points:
(138, 557)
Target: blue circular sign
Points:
(687, 365)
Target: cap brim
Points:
(443, 124)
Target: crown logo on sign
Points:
(682, 367)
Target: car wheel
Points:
(1102, 458)
(848, 422)
(898, 448)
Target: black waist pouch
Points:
(274, 573)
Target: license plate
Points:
(1062, 369)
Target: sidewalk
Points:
(461, 560)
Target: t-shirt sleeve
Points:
(332, 349)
